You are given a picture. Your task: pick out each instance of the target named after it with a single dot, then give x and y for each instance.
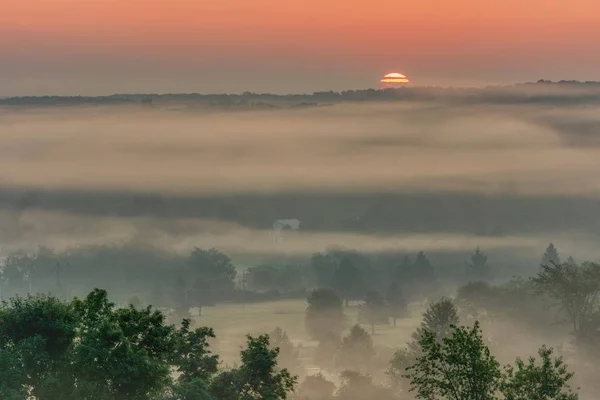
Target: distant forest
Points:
(531, 92)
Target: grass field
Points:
(232, 322)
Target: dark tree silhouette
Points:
(551, 255)
(397, 306)
(212, 272)
(324, 267)
(374, 310)
(477, 267)
(324, 314)
(348, 281)
(357, 351)
(289, 356)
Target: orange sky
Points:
(235, 45)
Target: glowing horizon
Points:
(103, 47)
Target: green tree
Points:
(460, 367)
(120, 353)
(477, 267)
(13, 376)
(258, 377)
(324, 314)
(397, 307)
(438, 320)
(192, 357)
(39, 332)
(547, 380)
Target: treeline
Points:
(205, 277)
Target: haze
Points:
(71, 47)
(225, 200)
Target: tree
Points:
(577, 290)
(288, 357)
(213, 275)
(316, 387)
(530, 381)
(13, 376)
(551, 255)
(258, 377)
(37, 333)
(358, 386)
(348, 281)
(460, 367)
(397, 306)
(192, 358)
(476, 295)
(181, 298)
(324, 314)
(374, 311)
(324, 267)
(327, 351)
(438, 319)
(357, 349)
(478, 267)
(120, 353)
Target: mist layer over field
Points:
(434, 174)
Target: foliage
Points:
(192, 358)
(89, 349)
(576, 288)
(530, 381)
(438, 320)
(40, 331)
(12, 374)
(258, 376)
(120, 353)
(324, 314)
(460, 367)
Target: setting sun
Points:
(393, 80)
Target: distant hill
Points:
(518, 93)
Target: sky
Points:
(95, 47)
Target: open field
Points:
(232, 322)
